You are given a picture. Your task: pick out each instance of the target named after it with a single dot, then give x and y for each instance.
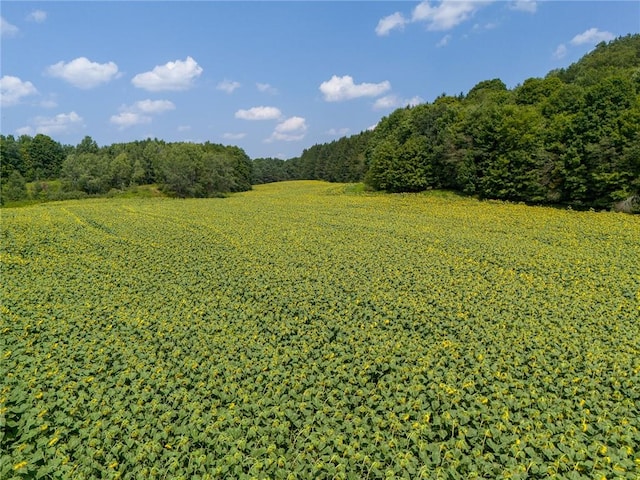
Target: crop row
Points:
(298, 332)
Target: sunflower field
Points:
(302, 330)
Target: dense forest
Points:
(179, 169)
(570, 138)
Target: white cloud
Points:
(184, 128)
(290, 130)
(60, 124)
(266, 88)
(447, 14)
(342, 88)
(259, 113)
(444, 41)
(152, 106)
(50, 103)
(292, 124)
(393, 101)
(228, 86)
(83, 73)
(529, 6)
(390, 22)
(140, 112)
(6, 29)
(560, 52)
(233, 136)
(12, 90)
(37, 16)
(592, 37)
(178, 75)
(129, 119)
(338, 131)
(487, 26)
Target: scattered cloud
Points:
(390, 22)
(49, 103)
(233, 136)
(290, 130)
(152, 106)
(529, 6)
(129, 119)
(228, 86)
(266, 88)
(444, 41)
(438, 16)
(13, 90)
(184, 128)
(140, 112)
(38, 16)
(83, 73)
(447, 14)
(60, 124)
(338, 131)
(592, 36)
(393, 101)
(487, 26)
(372, 127)
(560, 52)
(6, 29)
(259, 113)
(338, 89)
(178, 75)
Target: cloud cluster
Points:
(140, 112)
(38, 16)
(228, 86)
(592, 36)
(266, 88)
(447, 14)
(338, 89)
(438, 17)
(389, 23)
(83, 73)
(259, 113)
(57, 125)
(7, 29)
(529, 6)
(13, 90)
(178, 75)
(393, 101)
(290, 130)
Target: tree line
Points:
(179, 169)
(570, 138)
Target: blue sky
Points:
(271, 77)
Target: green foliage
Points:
(269, 170)
(13, 188)
(561, 139)
(190, 170)
(293, 332)
(570, 138)
(43, 158)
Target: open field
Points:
(298, 331)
